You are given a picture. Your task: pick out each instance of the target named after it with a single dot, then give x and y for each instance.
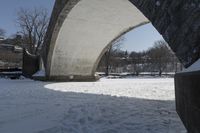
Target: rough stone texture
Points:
(188, 99)
(179, 23)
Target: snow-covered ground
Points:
(108, 106)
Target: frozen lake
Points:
(144, 105)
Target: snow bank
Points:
(40, 73)
(148, 88)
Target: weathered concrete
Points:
(86, 33)
(188, 99)
(80, 31)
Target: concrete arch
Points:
(111, 43)
(71, 17)
(88, 29)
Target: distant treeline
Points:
(158, 58)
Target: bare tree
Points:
(160, 55)
(2, 32)
(158, 58)
(33, 25)
(116, 45)
(137, 60)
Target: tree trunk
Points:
(160, 72)
(108, 61)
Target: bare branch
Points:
(33, 25)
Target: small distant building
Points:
(10, 56)
(6, 47)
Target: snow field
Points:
(107, 106)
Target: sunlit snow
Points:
(107, 106)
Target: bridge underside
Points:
(80, 31)
(85, 35)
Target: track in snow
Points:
(107, 106)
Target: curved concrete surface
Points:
(86, 32)
(80, 31)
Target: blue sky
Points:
(9, 8)
(138, 39)
(141, 38)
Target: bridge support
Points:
(80, 31)
(188, 99)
